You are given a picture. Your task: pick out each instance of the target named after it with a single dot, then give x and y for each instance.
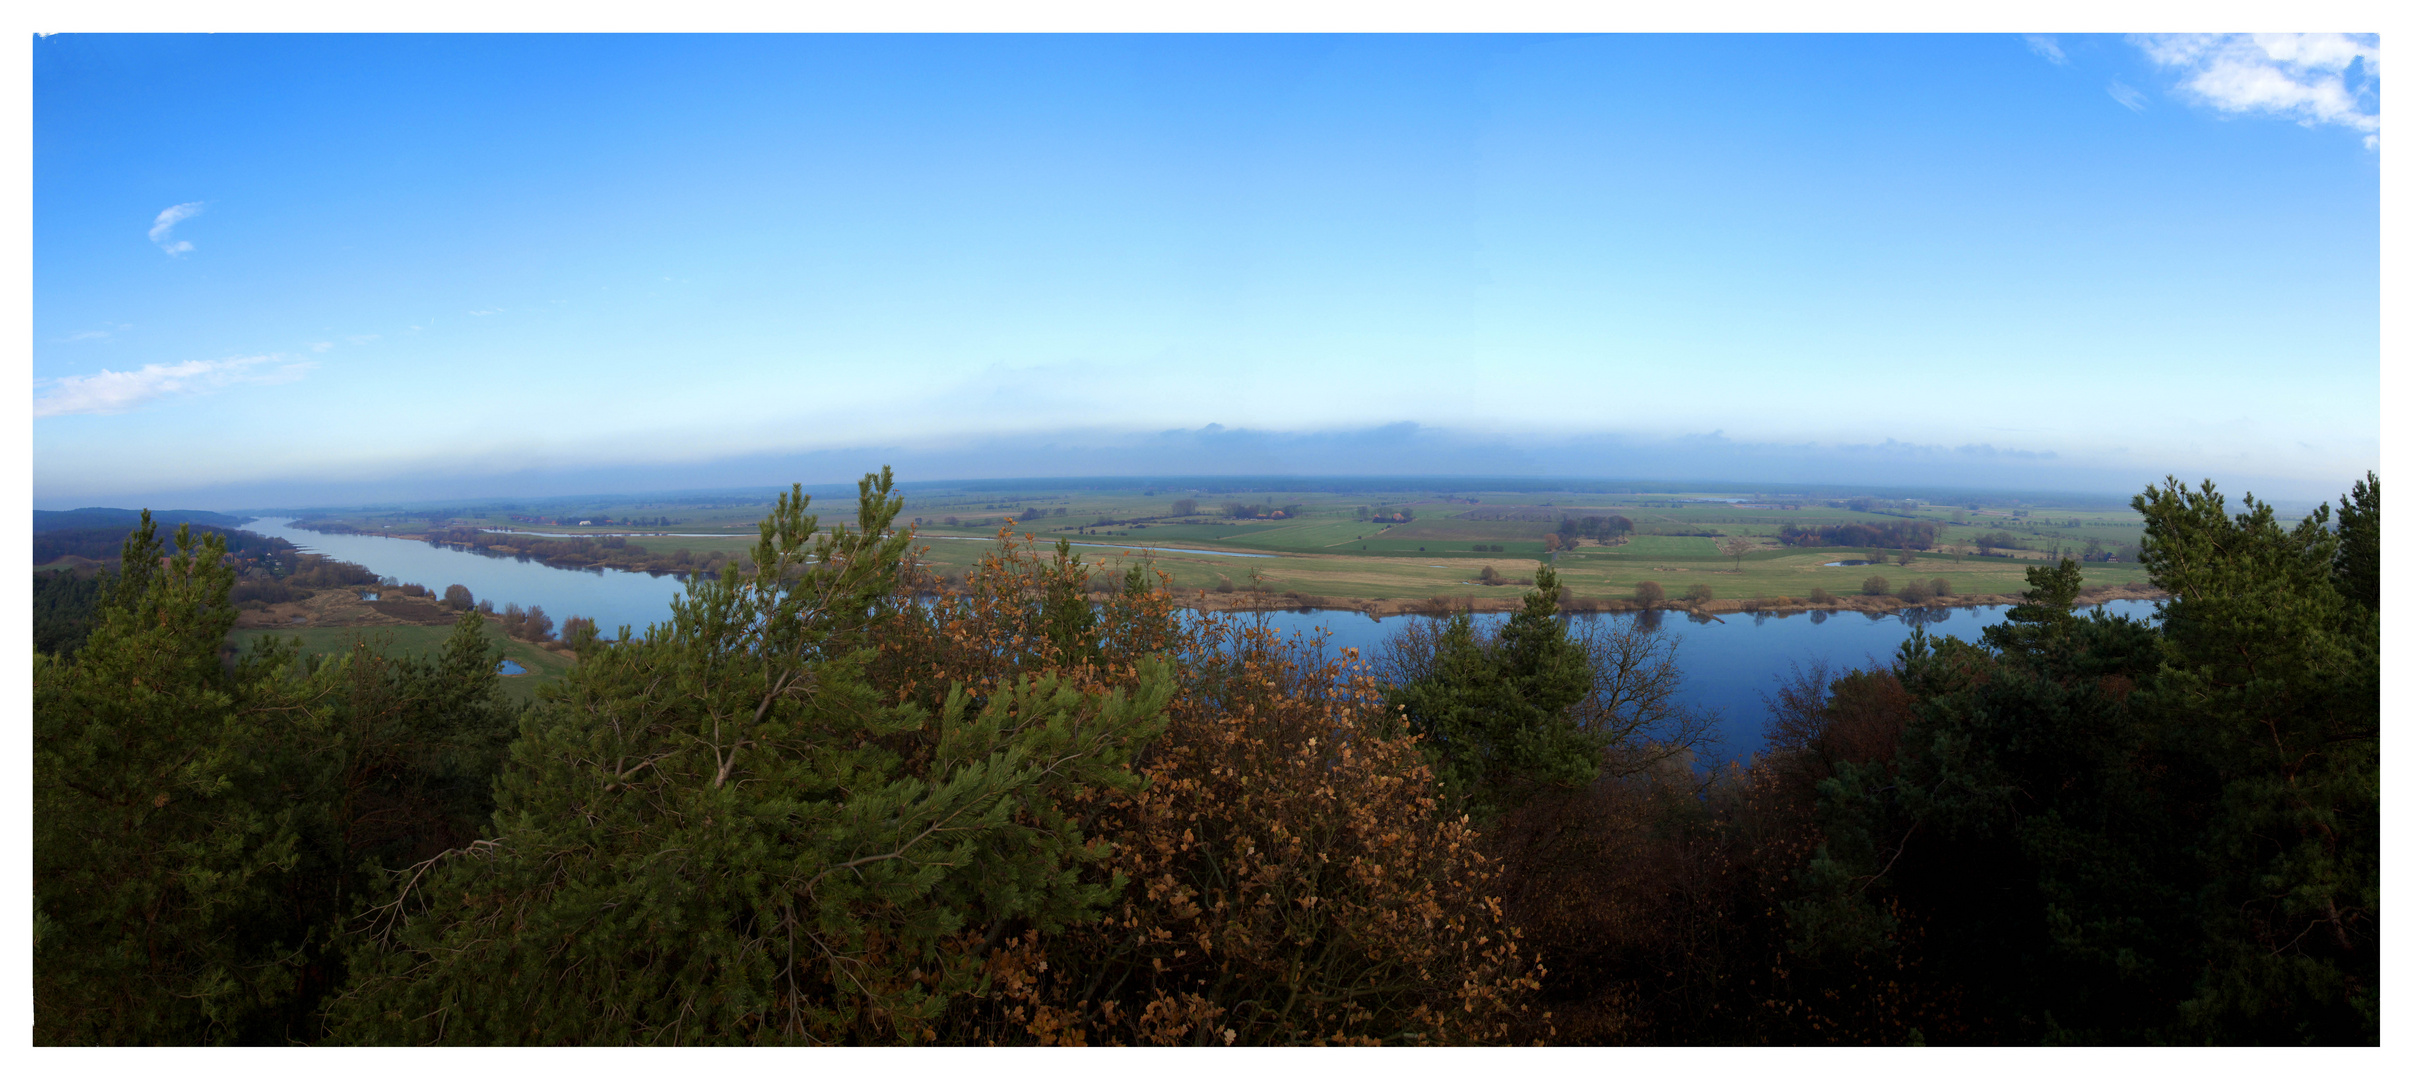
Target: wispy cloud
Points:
(165, 223)
(2126, 95)
(2043, 45)
(2300, 76)
(321, 346)
(103, 334)
(117, 391)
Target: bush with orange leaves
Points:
(1285, 877)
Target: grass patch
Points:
(544, 665)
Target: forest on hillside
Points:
(835, 798)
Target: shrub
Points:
(578, 632)
(1649, 593)
(1941, 587)
(1875, 586)
(1489, 576)
(457, 597)
(1699, 593)
(1821, 596)
(1917, 592)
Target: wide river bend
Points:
(1729, 663)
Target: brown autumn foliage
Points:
(1819, 720)
(1286, 880)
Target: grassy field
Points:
(1326, 547)
(1601, 573)
(1325, 551)
(543, 665)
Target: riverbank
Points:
(1512, 599)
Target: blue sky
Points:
(282, 268)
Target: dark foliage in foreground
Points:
(2084, 829)
(835, 800)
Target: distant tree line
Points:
(1597, 527)
(585, 552)
(1911, 535)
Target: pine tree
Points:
(1498, 713)
(151, 843)
(2272, 685)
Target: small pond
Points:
(1851, 562)
(510, 667)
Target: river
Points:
(1729, 662)
(610, 597)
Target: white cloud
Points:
(117, 391)
(2043, 45)
(2126, 95)
(2299, 76)
(166, 222)
(321, 346)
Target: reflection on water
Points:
(1730, 662)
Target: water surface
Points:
(1730, 661)
(610, 597)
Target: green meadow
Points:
(1326, 544)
